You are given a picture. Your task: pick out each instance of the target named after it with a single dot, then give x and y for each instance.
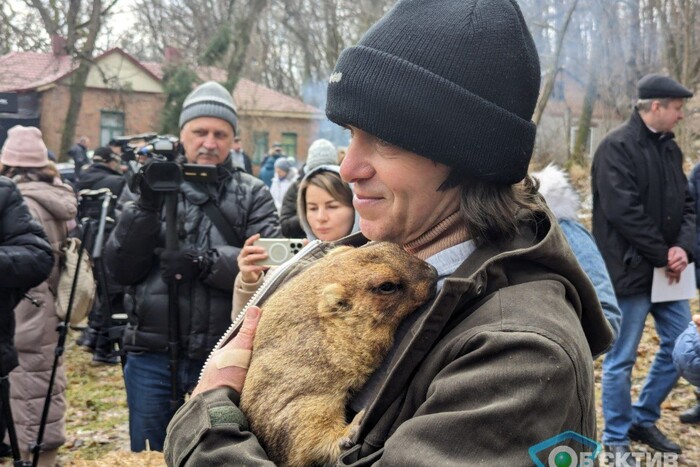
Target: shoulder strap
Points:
(197, 195)
(217, 218)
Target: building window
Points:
(289, 144)
(261, 139)
(111, 125)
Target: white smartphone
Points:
(279, 250)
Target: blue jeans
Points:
(670, 319)
(148, 394)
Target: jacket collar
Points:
(540, 243)
(99, 167)
(642, 131)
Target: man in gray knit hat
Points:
(497, 368)
(212, 221)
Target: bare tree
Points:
(553, 68)
(79, 23)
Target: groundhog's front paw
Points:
(346, 442)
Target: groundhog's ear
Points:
(333, 299)
(338, 250)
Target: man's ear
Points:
(333, 299)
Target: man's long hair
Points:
(492, 211)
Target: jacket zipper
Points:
(268, 284)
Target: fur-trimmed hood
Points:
(560, 195)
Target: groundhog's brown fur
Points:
(319, 339)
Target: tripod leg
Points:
(9, 421)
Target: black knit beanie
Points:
(455, 81)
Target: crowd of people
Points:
(441, 140)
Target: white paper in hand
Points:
(662, 291)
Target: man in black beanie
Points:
(497, 368)
(643, 218)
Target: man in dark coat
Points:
(643, 218)
(79, 155)
(203, 268)
(105, 172)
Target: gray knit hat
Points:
(209, 99)
(455, 81)
(321, 152)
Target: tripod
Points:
(9, 421)
(114, 324)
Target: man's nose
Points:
(354, 166)
(209, 141)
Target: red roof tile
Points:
(21, 71)
(248, 95)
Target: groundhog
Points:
(320, 337)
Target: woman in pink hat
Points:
(24, 159)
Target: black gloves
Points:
(184, 266)
(149, 200)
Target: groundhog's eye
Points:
(387, 288)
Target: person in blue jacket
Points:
(267, 166)
(564, 202)
(692, 415)
(686, 357)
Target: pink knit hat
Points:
(24, 148)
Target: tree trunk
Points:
(77, 88)
(554, 67)
(241, 40)
(583, 132)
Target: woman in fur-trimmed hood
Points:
(54, 205)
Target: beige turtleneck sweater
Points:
(448, 232)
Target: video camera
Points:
(162, 170)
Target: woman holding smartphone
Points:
(324, 204)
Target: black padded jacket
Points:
(205, 303)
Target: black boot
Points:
(87, 339)
(692, 415)
(652, 437)
(104, 353)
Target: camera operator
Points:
(26, 260)
(105, 172)
(204, 267)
